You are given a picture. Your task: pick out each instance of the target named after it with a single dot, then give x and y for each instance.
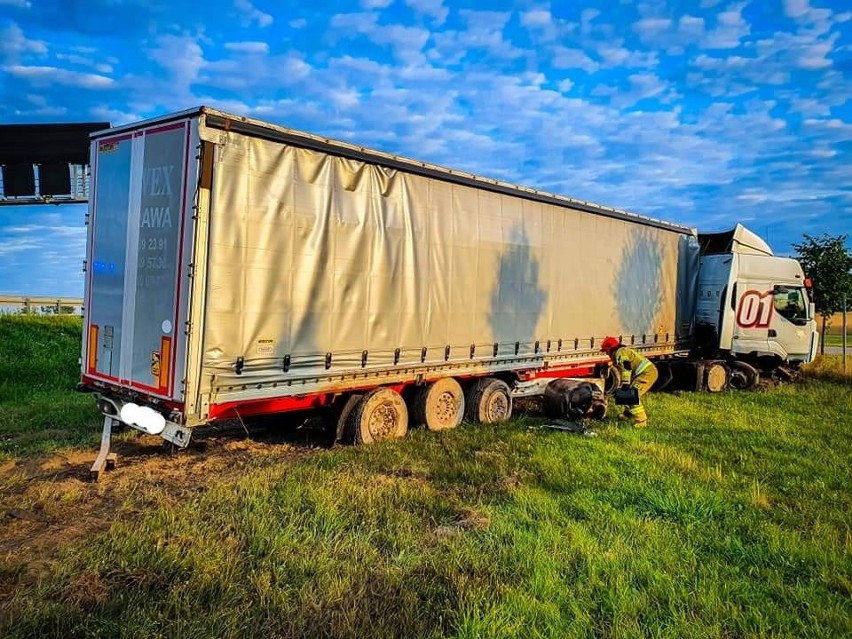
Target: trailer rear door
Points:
(136, 278)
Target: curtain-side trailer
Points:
(237, 268)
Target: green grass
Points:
(39, 368)
(729, 517)
(837, 340)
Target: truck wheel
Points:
(612, 380)
(439, 405)
(378, 416)
(715, 376)
(744, 376)
(488, 401)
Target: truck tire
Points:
(378, 416)
(488, 401)
(715, 376)
(612, 380)
(439, 405)
(744, 376)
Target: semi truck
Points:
(237, 268)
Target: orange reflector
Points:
(93, 348)
(165, 361)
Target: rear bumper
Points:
(148, 415)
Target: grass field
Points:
(728, 518)
(39, 366)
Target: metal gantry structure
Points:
(45, 163)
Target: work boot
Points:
(625, 416)
(640, 423)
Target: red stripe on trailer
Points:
(269, 406)
(585, 370)
(272, 405)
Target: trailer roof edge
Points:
(218, 119)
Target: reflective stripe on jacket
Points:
(638, 362)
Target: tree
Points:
(828, 263)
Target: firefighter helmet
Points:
(610, 344)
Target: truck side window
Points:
(790, 303)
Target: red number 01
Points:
(755, 309)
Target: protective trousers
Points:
(642, 383)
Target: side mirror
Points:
(811, 311)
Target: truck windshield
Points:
(790, 303)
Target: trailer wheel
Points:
(744, 376)
(439, 405)
(488, 401)
(715, 376)
(340, 415)
(378, 416)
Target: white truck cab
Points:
(753, 305)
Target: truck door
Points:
(789, 329)
(773, 319)
(138, 214)
(752, 317)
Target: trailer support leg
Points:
(105, 460)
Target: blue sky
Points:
(708, 112)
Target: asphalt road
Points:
(838, 350)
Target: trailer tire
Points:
(342, 409)
(439, 405)
(380, 415)
(488, 401)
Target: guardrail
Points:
(40, 304)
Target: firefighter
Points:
(636, 371)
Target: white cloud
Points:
(268, 73)
(252, 47)
(536, 18)
(650, 28)
(730, 29)
(14, 44)
(565, 58)
(566, 85)
(431, 8)
(45, 75)
(114, 116)
(587, 16)
(298, 23)
(406, 42)
(796, 8)
(805, 50)
(671, 36)
(253, 14)
(74, 58)
(690, 27)
(613, 54)
(181, 56)
(376, 4)
(484, 32)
